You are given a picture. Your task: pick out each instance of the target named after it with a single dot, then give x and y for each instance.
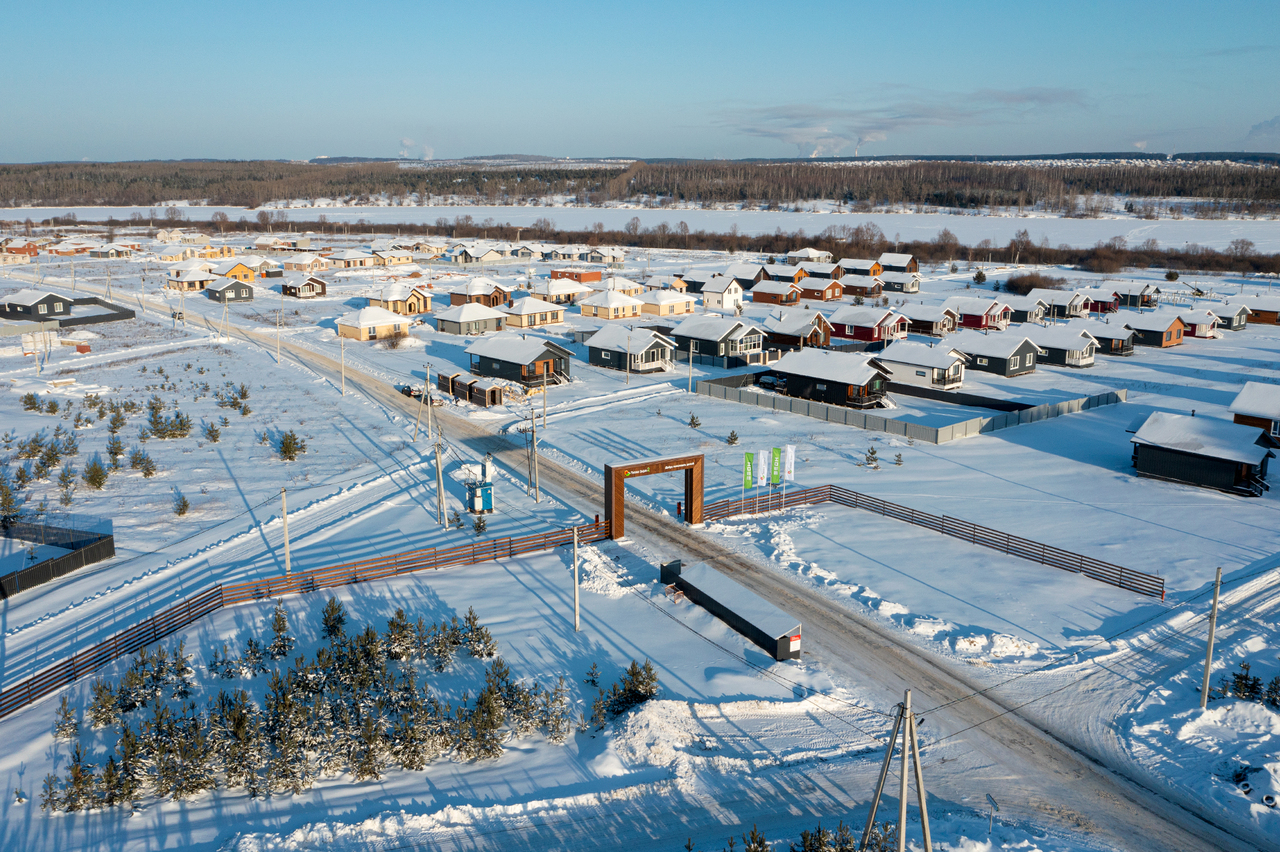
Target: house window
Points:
(57, 306)
(1275, 428)
(1013, 362)
(1031, 358)
(42, 308)
(372, 333)
(982, 362)
(606, 356)
(921, 373)
(1168, 335)
(820, 387)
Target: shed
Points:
(485, 393)
(648, 350)
(837, 378)
(518, 358)
(737, 606)
(925, 366)
(1203, 451)
(1006, 353)
(229, 290)
(1258, 405)
(469, 319)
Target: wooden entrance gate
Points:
(615, 481)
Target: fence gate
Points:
(615, 481)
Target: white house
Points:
(722, 294)
(927, 366)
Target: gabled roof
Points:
(996, 345)
(1201, 317)
(529, 305)
(1025, 303)
(515, 348)
(721, 284)
(898, 277)
(712, 328)
(614, 338)
(224, 268)
(1102, 330)
(743, 270)
(481, 287)
(783, 269)
(1203, 436)
(823, 269)
(1157, 321)
(808, 253)
(31, 297)
(610, 299)
(197, 275)
(1224, 311)
(1060, 337)
(1260, 302)
(794, 322)
(775, 287)
(920, 355)
(856, 263)
(227, 284)
(470, 312)
(926, 313)
(305, 258)
(1056, 297)
(894, 259)
(367, 317)
(1133, 288)
(974, 305)
(1098, 294)
(614, 282)
(350, 254)
(562, 286)
(864, 316)
(850, 368)
(666, 297)
(1258, 399)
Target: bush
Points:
(395, 341)
(291, 446)
(212, 433)
(979, 277)
(1025, 283)
(1171, 275)
(31, 402)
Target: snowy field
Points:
(363, 489)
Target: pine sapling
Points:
(897, 459)
(282, 641)
(732, 440)
(694, 422)
(181, 505)
(65, 726)
(334, 618)
(480, 525)
(95, 475)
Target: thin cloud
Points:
(818, 131)
(1264, 134)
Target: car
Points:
(411, 391)
(777, 383)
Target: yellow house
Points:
(189, 280)
(393, 258)
(174, 253)
(214, 252)
(306, 262)
(371, 324)
(236, 270)
(667, 303)
(610, 305)
(403, 300)
(531, 312)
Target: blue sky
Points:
(273, 79)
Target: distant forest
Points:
(1066, 188)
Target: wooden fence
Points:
(183, 613)
(1105, 572)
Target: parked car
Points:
(411, 391)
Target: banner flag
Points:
(789, 463)
(748, 475)
(775, 467)
(762, 467)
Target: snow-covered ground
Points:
(364, 489)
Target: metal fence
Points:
(183, 613)
(88, 537)
(1045, 554)
(905, 428)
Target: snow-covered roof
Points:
(514, 348)
(666, 297)
(1056, 297)
(774, 287)
(894, 259)
(610, 299)
(863, 316)
(793, 322)
(996, 345)
(1258, 399)
(783, 269)
(974, 305)
(926, 313)
(712, 328)
(470, 312)
(1102, 330)
(898, 277)
(822, 269)
(1132, 288)
(350, 254)
(1260, 302)
(721, 284)
(563, 287)
(227, 284)
(195, 263)
(851, 368)
(1025, 303)
(1200, 317)
(196, 275)
(398, 292)
(856, 263)
(614, 338)
(743, 270)
(808, 253)
(481, 287)
(370, 318)
(1202, 436)
(1060, 337)
(31, 297)
(305, 258)
(920, 355)
(529, 305)
(1098, 294)
(224, 268)
(1224, 311)
(615, 282)
(1157, 321)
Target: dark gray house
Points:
(1113, 337)
(1203, 451)
(36, 305)
(735, 340)
(229, 290)
(517, 358)
(1064, 346)
(648, 350)
(836, 378)
(471, 318)
(1230, 317)
(1006, 353)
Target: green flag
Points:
(748, 474)
(775, 466)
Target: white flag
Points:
(789, 463)
(762, 467)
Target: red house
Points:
(979, 313)
(871, 324)
(22, 247)
(778, 292)
(820, 289)
(1100, 300)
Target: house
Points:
(25, 247)
(175, 253)
(836, 378)
(894, 262)
(1203, 451)
(646, 350)
(775, 293)
(1135, 294)
(1062, 304)
(1113, 338)
(111, 251)
(716, 336)
(808, 255)
(666, 282)
(189, 279)
(430, 246)
(1025, 309)
(263, 267)
(865, 268)
(797, 328)
(172, 235)
(925, 366)
(1006, 353)
(783, 272)
(747, 275)
(1201, 323)
(982, 314)
(562, 291)
(695, 281)
(1258, 405)
(478, 254)
(194, 239)
(269, 242)
(1161, 328)
(308, 289)
(576, 273)
(723, 294)
(820, 289)
(351, 259)
(215, 252)
(234, 269)
(402, 299)
(930, 320)
(516, 358)
(1100, 300)
(667, 303)
(625, 286)
(1064, 346)
(1262, 309)
(71, 248)
(371, 324)
(1230, 317)
(859, 285)
(900, 282)
(306, 262)
(822, 270)
(36, 305)
(876, 325)
(7, 259)
(609, 256)
(470, 318)
(392, 257)
(610, 305)
(229, 290)
(485, 393)
(480, 291)
(531, 312)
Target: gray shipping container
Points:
(737, 606)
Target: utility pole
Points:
(546, 389)
(904, 721)
(439, 484)
(342, 342)
(1208, 654)
(628, 360)
(284, 514)
(278, 317)
(537, 494)
(426, 383)
(576, 627)
(691, 365)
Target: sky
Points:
(286, 80)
